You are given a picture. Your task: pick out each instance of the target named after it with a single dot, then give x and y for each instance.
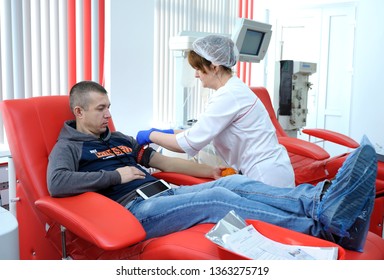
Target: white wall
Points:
(131, 64)
(131, 68)
(367, 109)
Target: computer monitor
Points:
(252, 39)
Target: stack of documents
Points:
(233, 234)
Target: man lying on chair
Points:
(89, 157)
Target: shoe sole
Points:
(359, 229)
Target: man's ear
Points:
(78, 112)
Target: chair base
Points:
(190, 244)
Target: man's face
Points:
(94, 119)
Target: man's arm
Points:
(188, 167)
(64, 179)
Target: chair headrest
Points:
(32, 126)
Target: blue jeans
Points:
(185, 206)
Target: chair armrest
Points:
(332, 136)
(95, 218)
(180, 179)
(303, 148)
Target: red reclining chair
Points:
(91, 226)
(313, 164)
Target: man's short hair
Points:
(79, 93)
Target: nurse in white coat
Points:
(235, 119)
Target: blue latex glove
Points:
(142, 136)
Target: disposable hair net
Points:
(218, 49)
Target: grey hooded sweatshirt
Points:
(82, 163)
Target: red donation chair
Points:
(91, 226)
(313, 164)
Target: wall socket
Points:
(4, 194)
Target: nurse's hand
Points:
(142, 136)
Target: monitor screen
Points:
(252, 39)
(252, 42)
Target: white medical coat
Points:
(237, 123)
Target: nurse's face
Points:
(206, 78)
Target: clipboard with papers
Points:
(252, 239)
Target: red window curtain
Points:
(244, 68)
(87, 42)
